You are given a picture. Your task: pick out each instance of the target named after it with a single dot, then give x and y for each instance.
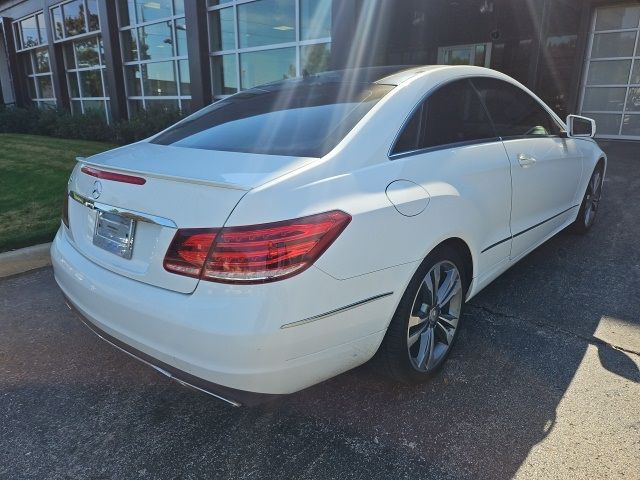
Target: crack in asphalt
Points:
(547, 326)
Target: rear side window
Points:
(302, 119)
(452, 114)
(514, 112)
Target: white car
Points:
(293, 231)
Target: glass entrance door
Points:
(477, 54)
(611, 85)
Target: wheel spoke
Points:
(447, 326)
(415, 336)
(426, 348)
(435, 283)
(450, 287)
(419, 316)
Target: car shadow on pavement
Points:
(73, 407)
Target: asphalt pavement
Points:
(544, 382)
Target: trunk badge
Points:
(97, 189)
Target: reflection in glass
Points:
(185, 79)
(619, 44)
(58, 24)
(604, 99)
(87, 53)
(74, 90)
(609, 72)
(132, 78)
(45, 87)
(631, 125)
(223, 74)
(222, 29)
(178, 7)
(315, 19)
(74, 22)
(129, 46)
(633, 100)
(90, 83)
(181, 37)
(93, 105)
(257, 68)
(42, 60)
(127, 10)
(159, 79)
(29, 32)
(315, 58)
(156, 41)
(155, 10)
(92, 15)
(616, 18)
(42, 28)
(635, 74)
(267, 22)
(606, 123)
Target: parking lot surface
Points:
(543, 383)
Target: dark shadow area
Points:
(73, 407)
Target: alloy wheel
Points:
(592, 199)
(434, 316)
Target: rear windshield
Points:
(302, 120)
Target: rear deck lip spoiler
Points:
(161, 176)
(124, 212)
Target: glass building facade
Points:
(121, 56)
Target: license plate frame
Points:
(114, 233)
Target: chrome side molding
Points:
(124, 212)
(336, 311)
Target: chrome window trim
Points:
(124, 212)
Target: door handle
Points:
(526, 161)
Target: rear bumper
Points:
(232, 396)
(232, 341)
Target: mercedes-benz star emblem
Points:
(97, 189)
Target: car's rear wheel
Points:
(590, 202)
(426, 323)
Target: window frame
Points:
(65, 37)
(550, 113)
(395, 156)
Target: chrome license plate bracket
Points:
(114, 233)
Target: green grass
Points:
(33, 175)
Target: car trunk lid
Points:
(182, 188)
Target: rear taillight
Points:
(65, 209)
(255, 254)
(188, 251)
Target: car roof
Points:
(387, 75)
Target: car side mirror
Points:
(581, 127)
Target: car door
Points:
(545, 165)
(449, 147)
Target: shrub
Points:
(88, 126)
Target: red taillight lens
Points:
(115, 177)
(188, 251)
(260, 253)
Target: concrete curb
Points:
(25, 259)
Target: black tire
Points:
(394, 357)
(590, 202)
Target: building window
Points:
(261, 41)
(84, 64)
(33, 57)
(154, 49)
(76, 27)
